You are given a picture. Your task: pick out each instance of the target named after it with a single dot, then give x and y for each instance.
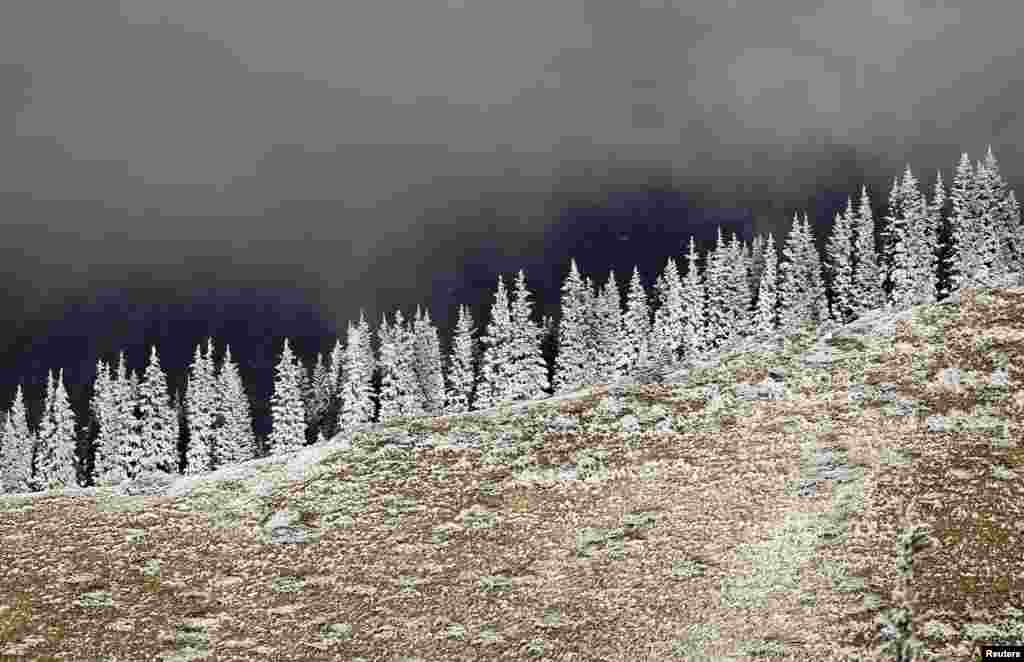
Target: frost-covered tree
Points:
(125, 424)
(694, 298)
(237, 443)
(767, 291)
(56, 465)
(288, 428)
(716, 275)
(913, 245)
(158, 422)
(571, 358)
(738, 299)
(356, 391)
(316, 397)
(461, 382)
(998, 247)
(801, 288)
(399, 391)
(964, 257)
(636, 322)
(495, 370)
(201, 405)
(867, 275)
(428, 369)
(105, 409)
(529, 373)
(610, 330)
(756, 264)
(366, 347)
(335, 378)
(669, 316)
(840, 265)
(928, 266)
(17, 449)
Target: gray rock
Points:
(902, 407)
(148, 483)
(1000, 377)
(284, 527)
(950, 377)
(936, 423)
(711, 391)
(856, 393)
(664, 425)
(766, 390)
(777, 373)
(818, 357)
(562, 422)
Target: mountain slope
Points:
(749, 506)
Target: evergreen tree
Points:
(668, 318)
(591, 349)
(318, 396)
(867, 276)
(56, 465)
(840, 265)
(767, 291)
(288, 429)
(738, 292)
(932, 248)
(716, 275)
(356, 392)
(756, 264)
(965, 226)
(494, 378)
(571, 359)
(913, 245)
(238, 442)
(801, 288)
(336, 374)
(1004, 222)
(18, 448)
(104, 410)
(428, 368)
(462, 365)
(199, 456)
(610, 330)
(159, 423)
(529, 373)
(366, 347)
(399, 393)
(694, 297)
(636, 323)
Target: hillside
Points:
(750, 506)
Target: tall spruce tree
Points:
(840, 265)
(159, 423)
(57, 463)
(867, 276)
(356, 391)
(288, 428)
(571, 359)
(429, 372)
(388, 364)
(965, 226)
(106, 412)
(610, 330)
(756, 264)
(494, 378)
(529, 373)
(669, 316)
(201, 406)
(767, 291)
(461, 382)
(716, 275)
(238, 442)
(18, 448)
(694, 298)
(801, 287)
(316, 396)
(636, 322)
(337, 370)
(738, 298)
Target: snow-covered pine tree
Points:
(494, 377)
(591, 350)
(337, 369)
(756, 266)
(1003, 220)
(387, 363)
(815, 278)
(125, 431)
(366, 334)
(159, 423)
(410, 397)
(56, 464)
(867, 276)
(288, 428)
(317, 396)
(571, 359)
(356, 391)
(994, 256)
(767, 291)
(461, 372)
(911, 243)
(965, 231)
(738, 307)
(610, 329)
(636, 323)
(200, 404)
(669, 316)
(840, 265)
(932, 248)
(795, 289)
(18, 448)
(104, 412)
(1013, 220)
(529, 373)
(716, 275)
(694, 297)
(237, 443)
(429, 373)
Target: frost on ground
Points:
(749, 506)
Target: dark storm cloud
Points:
(404, 126)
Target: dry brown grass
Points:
(690, 544)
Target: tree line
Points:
(743, 290)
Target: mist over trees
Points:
(920, 254)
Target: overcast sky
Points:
(324, 156)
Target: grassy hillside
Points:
(678, 521)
